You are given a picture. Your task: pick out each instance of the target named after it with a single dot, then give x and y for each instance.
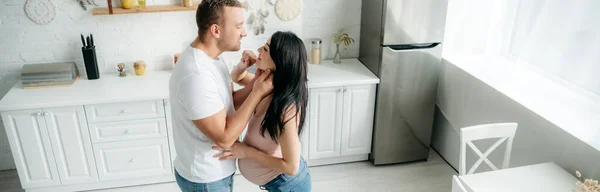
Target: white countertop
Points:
(108, 89)
(155, 85)
(350, 71)
(540, 177)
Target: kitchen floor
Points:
(433, 175)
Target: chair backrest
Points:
(504, 131)
(457, 185)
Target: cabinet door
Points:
(71, 144)
(304, 141)
(325, 122)
(169, 119)
(31, 149)
(357, 126)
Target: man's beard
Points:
(224, 46)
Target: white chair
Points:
(504, 131)
(457, 185)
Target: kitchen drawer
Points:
(124, 111)
(128, 130)
(132, 159)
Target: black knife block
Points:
(91, 63)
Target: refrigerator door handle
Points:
(401, 48)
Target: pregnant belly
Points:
(255, 172)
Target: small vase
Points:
(336, 58)
(139, 67)
(127, 4)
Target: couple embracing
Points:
(208, 116)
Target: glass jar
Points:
(315, 51)
(121, 70)
(141, 3)
(187, 3)
(127, 4)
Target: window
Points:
(558, 39)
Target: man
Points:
(203, 103)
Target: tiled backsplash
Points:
(151, 37)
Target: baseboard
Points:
(432, 148)
(336, 160)
(106, 184)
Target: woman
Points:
(270, 153)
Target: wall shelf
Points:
(147, 9)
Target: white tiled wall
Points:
(151, 37)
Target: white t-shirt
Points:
(199, 87)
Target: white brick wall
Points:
(322, 18)
(151, 37)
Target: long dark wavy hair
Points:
(289, 83)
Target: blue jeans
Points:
(287, 183)
(223, 185)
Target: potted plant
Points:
(589, 185)
(339, 38)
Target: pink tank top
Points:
(252, 169)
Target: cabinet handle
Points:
(127, 131)
(38, 113)
(132, 160)
(345, 89)
(341, 90)
(46, 113)
(123, 111)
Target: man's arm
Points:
(240, 96)
(240, 76)
(224, 130)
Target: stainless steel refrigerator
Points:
(401, 43)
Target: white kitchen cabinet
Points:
(53, 146)
(125, 111)
(133, 159)
(28, 137)
(326, 105)
(169, 124)
(341, 122)
(69, 135)
(304, 137)
(128, 130)
(357, 126)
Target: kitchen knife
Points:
(88, 41)
(92, 39)
(82, 40)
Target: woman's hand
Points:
(239, 71)
(238, 150)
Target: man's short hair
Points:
(209, 12)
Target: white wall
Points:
(151, 37)
(464, 100)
